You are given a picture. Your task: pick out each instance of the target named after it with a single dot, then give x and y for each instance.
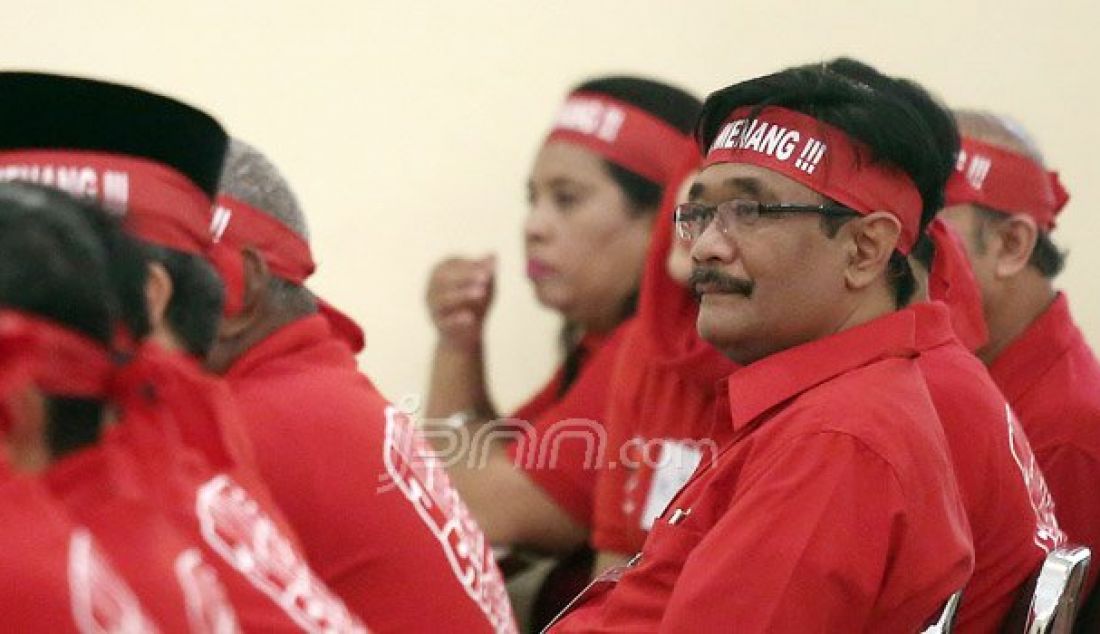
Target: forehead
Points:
(723, 181)
(559, 160)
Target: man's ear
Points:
(1013, 240)
(255, 292)
(874, 238)
(158, 294)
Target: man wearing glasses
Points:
(834, 507)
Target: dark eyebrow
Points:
(750, 186)
(696, 191)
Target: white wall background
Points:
(407, 127)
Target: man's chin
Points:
(719, 322)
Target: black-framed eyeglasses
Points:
(692, 219)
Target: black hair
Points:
(1047, 258)
(672, 105)
(198, 296)
(902, 124)
(924, 251)
(127, 268)
(55, 263)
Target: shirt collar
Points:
(95, 471)
(934, 326)
(760, 386)
(296, 335)
(593, 341)
(1031, 354)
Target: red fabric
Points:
(230, 267)
(168, 414)
(1052, 380)
(833, 510)
(821, 157)
(665, 392)
(181, 592)
(58, 360)
(343, 326)
(237, 225)
(1005, 181)
(952, 282)
(1006, 498)
(64, 584)
(623, 134)
(558, 450)
(201, 414)
(167, 425)
(160, 204)
(374, 509)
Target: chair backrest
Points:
(1088, 617)
(1058, 591)
(946, 621)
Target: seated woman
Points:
(594, 191)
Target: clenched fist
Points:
(460, 291)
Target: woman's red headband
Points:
(623, 134)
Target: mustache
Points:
(724, 283)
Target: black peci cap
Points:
(44, 111)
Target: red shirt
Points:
(181, 591)
(57, 578)
(660, 413)
(558, 450)
(833, 509)
(1052, 380)
(268, 582)
(1006, 499)
(375, 511)
(202, 416)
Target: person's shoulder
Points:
(960, 385)
(859, 397)
(323, 407)
(1063, 406)
(311, 383)
(1079, 372)
(885, 405)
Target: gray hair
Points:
(249, 177)
(1000, 130)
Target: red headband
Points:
(821, 157)
(239, 225)
(56, 359)
(623, 134)
(236, 224)
(1005, 181)
(158, 204)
